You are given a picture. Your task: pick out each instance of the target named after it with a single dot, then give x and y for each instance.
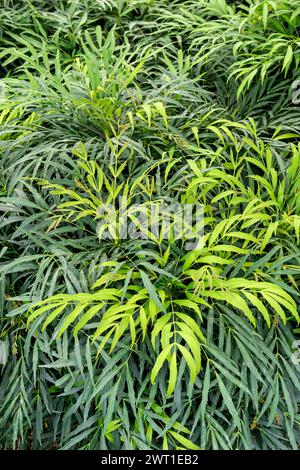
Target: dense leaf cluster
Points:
(137, 342)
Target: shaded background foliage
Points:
(169, 101)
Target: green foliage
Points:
(138, 342)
